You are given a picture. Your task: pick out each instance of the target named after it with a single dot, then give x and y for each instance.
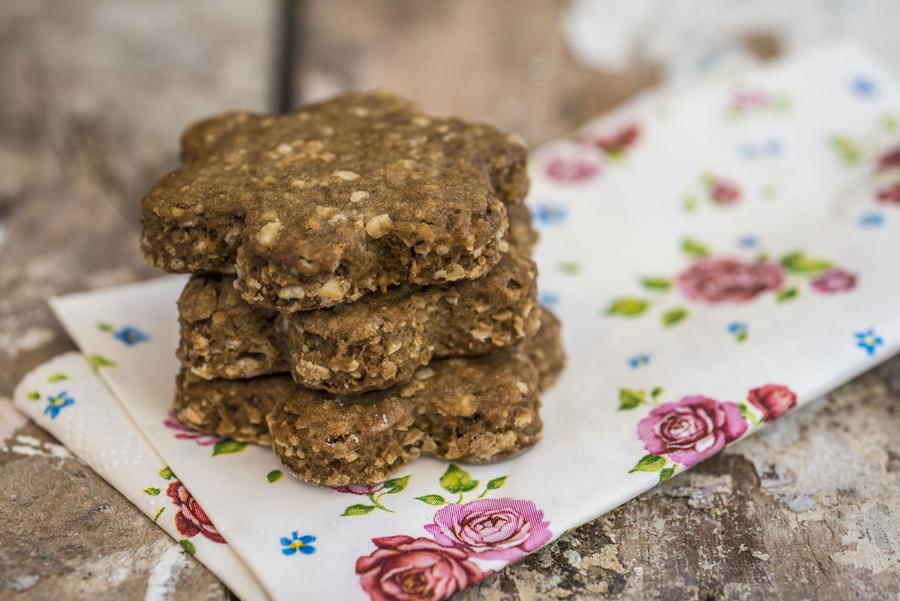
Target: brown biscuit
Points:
(371, 344)
(324, 205)
(367, 345)
(476, 410)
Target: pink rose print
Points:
(409, 568)
(359, 489)
(191, 519)
(748, 100)
(204, 440)
(571, 170)
(617, 142)
(890, 194)
(723, 192)
(889, 160)
(691, 430)
(772, 400)
(729, 280)
(503, 528)
(834, 280)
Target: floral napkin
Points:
(717, 257)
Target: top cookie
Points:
(321, 206)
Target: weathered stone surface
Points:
(502, 61)
(93, 96)
(67, 534)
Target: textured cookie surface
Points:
(367, 345)
(321, 206)
(475, 409)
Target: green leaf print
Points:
(693, 248)
(666, 473)
(158, 513)
(658, 284)
(187, 546)
(152, 491)
(57, 377)
(395, 485)
(97, 361)
(358, 509)
(226, 446)
(628, 307)
(846, 149)
(457, 480)
(105, 327)
(166, 473)
(432, 499)
(629, 398)
(657, 392)
(649, 463)
(786, 294)
(798, 263)
(274, 476)
(34, 395)
(496, 483)
(674, 316)
(570, 267)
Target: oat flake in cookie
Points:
(472, 410)
(321, 206)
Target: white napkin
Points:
(717, 258)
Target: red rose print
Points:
(691, 430)
(729, 280)
(890, 159)
(723, 192)
(890, 194)
(191, 519)
(619, 141)
(403, 567)
(834, 280)
(571, 170)
(772, 400)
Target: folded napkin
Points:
(717, 258)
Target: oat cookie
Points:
(476, 410)
(324, 205)
(367, 345)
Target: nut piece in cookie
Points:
(321, 206)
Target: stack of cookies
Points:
(363, 291)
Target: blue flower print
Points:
(863, 86)
(748, 241)
(131, 335)
(298, 543)
(867, 220)
(57, 402)
(738, 329)
(548, 299)
(546, 214)
(638, 360)
(869, 340)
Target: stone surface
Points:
(92, 97)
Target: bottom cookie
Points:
(471, 410)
